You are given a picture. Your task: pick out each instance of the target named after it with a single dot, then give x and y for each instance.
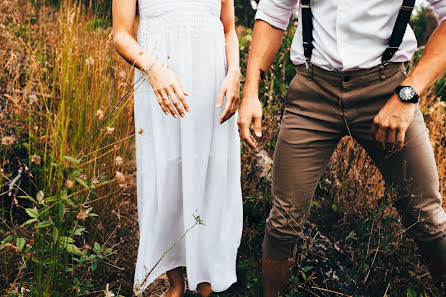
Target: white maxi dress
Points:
(188, 166)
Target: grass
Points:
(69, 225)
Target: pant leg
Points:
(306, 141)
(412, 172)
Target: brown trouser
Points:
(320, 108)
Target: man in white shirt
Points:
(350, 81)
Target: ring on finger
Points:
(165, 98)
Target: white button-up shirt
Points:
(347, 34)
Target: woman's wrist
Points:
(234, 71)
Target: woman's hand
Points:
(231, 88)
(168, 89)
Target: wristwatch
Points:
(407, 94)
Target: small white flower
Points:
(8, 140)
(35, 159)
(118, 161)
(89, 61)
(99, 114)
(110, 130)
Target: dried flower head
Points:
(69, 183)
(120, 177)
(99, 114)
(118, 161)
(89, 61)
(8, 140)
(82, 215)
(110, 130)
(36, 159)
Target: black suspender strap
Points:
(307, 30)
(394, 42)
(398, 30)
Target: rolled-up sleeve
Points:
(277, 13)
(439, 8)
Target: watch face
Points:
(406, 93)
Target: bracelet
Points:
(155, 71)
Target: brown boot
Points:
(276, 275)
(437, 266)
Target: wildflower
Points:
(120, 177)
(69, 183)
(89, 61)
(118, 161)
(82, 215)
(99, 114)
(83, 177)
(32, 99)
(110, 130)
(86, 247)
(35, 159)
(94, 181)
(8, 140)
(141, 131)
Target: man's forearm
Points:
(432, 64)
(265, 44)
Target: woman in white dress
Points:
(187, 83)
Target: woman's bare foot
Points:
(204, 289)
(177, 286)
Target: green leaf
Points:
(28, 198)
(40, 196)
(65, 239)
(29, 222)
(44, 224)
(79, 231)
(411, 291)
(6, 241)
(93, 266)
(60, 211)
(82, 182)
(96, 246)
(71, 159)
(307, 268)
(34, 213)
(20, 243)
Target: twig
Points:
(330, 291)
(198, 221)
(385, 293)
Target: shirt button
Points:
(346, 78)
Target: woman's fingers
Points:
(175, 101)
(161, 102)
(180, 94)
(221, 96)
(227, 111)
(167, 102)
(181, 86)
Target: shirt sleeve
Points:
(439, 8)
(277, 13)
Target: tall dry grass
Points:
(66, 122)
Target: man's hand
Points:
(390, 124)
(250, 111)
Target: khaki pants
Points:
(320, 108)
